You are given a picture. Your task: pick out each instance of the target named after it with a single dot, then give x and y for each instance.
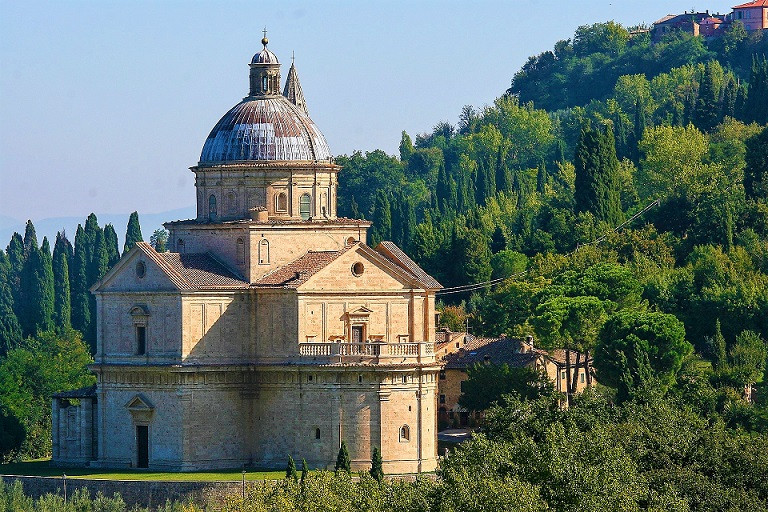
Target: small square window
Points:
(309, 378)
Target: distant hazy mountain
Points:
(48, 227)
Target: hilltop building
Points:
(754, 14)
(269, 329)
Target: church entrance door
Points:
(357, 334)
(142, 446)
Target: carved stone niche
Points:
(141, 409)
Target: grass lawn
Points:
(42, 467)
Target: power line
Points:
(492, 282)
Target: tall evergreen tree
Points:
(81, 314)
(290, 471)
(377, 465)
(16, 259)
(756, 103)
(382, 219)
(343, 462)
(37, 286)
(707, 110)
(132, 233)
(10, 330)
(113, 248)
(503, 177)
(95, 270)
(756, 169)
(304, 470)
(597, 179)
(62, 306)
(406, 147)
(30, 238)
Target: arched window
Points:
(265, 83)
(281, 202)
(317, 433)
(212, 208)
(264, 252)
(240, 251)
(405, 434)
(305, 206)
(180, 248)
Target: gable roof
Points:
(299, 271)
(394, 254)
(497, 351)
(194, 271)
(754, 3)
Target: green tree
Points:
(406, 147)
(756, 105)
(290, 471)
(382, 220)
(113, 249)
(37, 290)
(132, 233)
(304, 470)
(29, 376)
(62, 306)
(489, 383)
(377, 465)
(81, 313)
(597, 179)
(747, 359)
(756, 170)
(159, 240)
(343, 462)
(706, 115)
(30, 238)
(10, 330)
(16, 259)
(629, 337)
(12, 434)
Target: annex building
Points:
(269, 329)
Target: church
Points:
(269, 329)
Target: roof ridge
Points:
(175, 276)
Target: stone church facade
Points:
(269, 329)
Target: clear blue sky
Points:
(104, 105)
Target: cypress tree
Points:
(707, 103)
(304, 470)
(37, 285)
(442, 189)
(113, 249)
(343, 462)
(597, 180)
(10, 330)
(498, 240)
(756, 103)
(81, 314)
(728, 104)
(719, 351)
(406, 147)
(503, 180)
(620, 133)
(95, 270)
(409, 223)
(290, 471)
(542, 178)
(382, 219)
(132, 233)
(756, 169)
(377, 465)
(16, 260)
(62, 306)
(30, 238)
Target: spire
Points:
(293, 90)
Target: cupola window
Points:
(264, 252)
(264, 83)
(304, 206)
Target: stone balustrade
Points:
(376, 352)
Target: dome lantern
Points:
(265, 72)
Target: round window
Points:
(141, 269)
(358, 269)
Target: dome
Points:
(265, 57)
(264, 128)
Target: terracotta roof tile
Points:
(299, 271)
(755, 3)
(394, 254)
(498, 351)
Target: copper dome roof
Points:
(264, 128)
(265, 57)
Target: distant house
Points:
(753, 15)
(711, 26)
(688, 23)
(461, 351)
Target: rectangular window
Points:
(442, 399)
(442, 374)
(562, 374)
(141, 340)
(582, 378)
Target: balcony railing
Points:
(376, 352)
